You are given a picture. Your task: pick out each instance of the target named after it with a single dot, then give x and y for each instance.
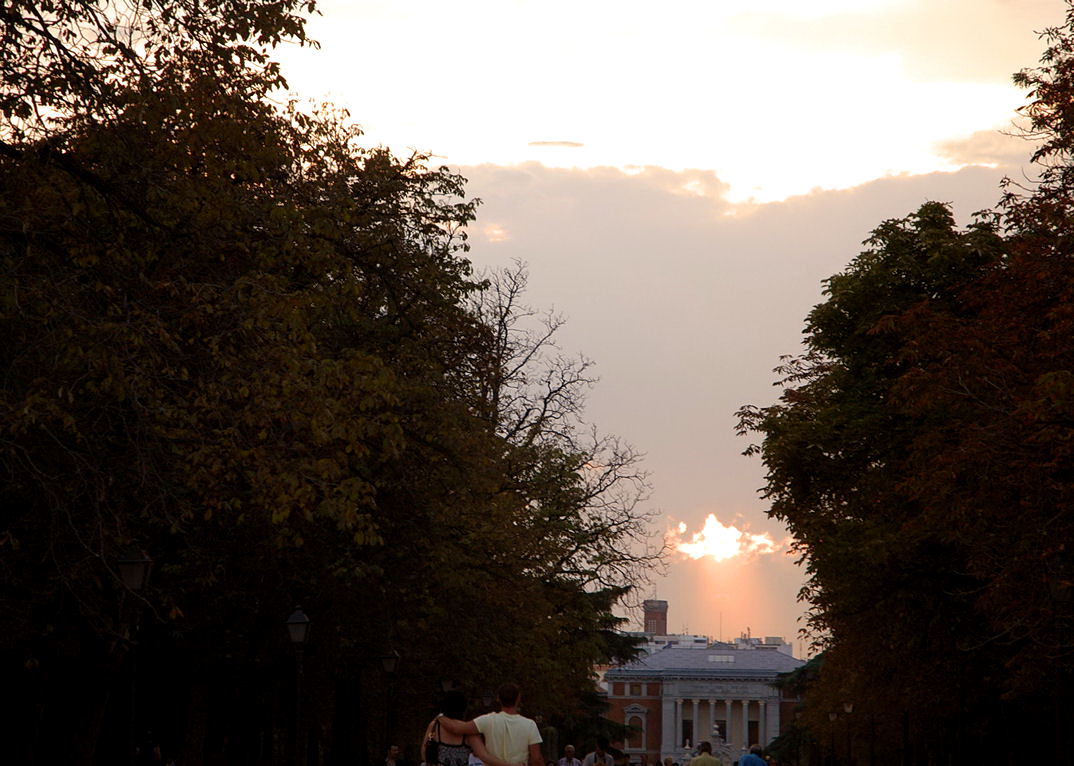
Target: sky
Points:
(680, 179)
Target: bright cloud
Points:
(721, 541)
(795, 9)
(776, 97)
(494, 232)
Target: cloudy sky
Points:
(680, 178)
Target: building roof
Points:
(719, 660)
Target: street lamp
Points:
(134, 569)
(298, 630)
(390, 662)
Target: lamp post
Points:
(872, 740)
(298, 629)
(848, 708)
(1059, 584)
(134, 570)
(390, 662)
(831, 730)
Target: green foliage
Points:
(920, 454)
(881, 584)
(66, 57)
(238, 340)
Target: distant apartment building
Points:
(685, 688)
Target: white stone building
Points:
(675, 696)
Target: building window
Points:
(687, 733)
(723, 729)
(636, 736)
(753, 727)
(617, 689)
(635, 690)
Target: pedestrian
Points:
(509, 735)
(600, 756)
(753, 757)
(450, 749)
(568, 758)
(619, 758)
(704, 756)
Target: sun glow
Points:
(721, 542)
(494, 232)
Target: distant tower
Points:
(656, 617)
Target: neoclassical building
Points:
(674, 696)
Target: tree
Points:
(534, 398)
(550, 539)
(65, 57)
(882, 586)
(241, 342)
(226, 375)
(920, 455)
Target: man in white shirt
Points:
(508, 735)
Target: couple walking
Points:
(506, 738)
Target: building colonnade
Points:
(733, 715)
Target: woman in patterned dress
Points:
(453, 749)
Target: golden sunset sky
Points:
(680, 177)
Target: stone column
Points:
(745, 724)
(728, 734)
(712, 719)
(668, 716)
(695, 721)
(773, 719)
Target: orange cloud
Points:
(494, 232)
(721, 542)
(558, 144)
